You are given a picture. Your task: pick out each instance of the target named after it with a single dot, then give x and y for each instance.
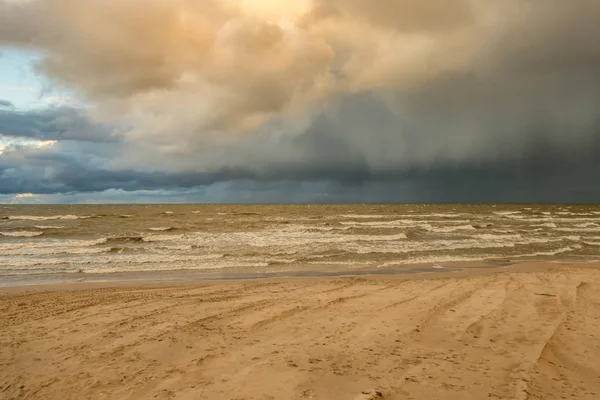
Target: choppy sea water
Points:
(127, 238)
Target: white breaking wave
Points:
(48, 226)
(165, 249)
(51, 251)
(410, 223)
(377, 238)
(21, 234)
(449, 229)
(549, 219)
(487, 242)
(572, 213)
(492, 236)
(588, 225)
(161, 229)
(525, 218)
(406, 223)
(50, 243)
(383, 224)
(163, 238)
(174, 265)
(121, 263)
(366, 216)
(15, 262)
(307, 239)
(479, 257)
(596, 229)
(441, 215)
(292, 235)
(506, 212)
(548, 253)
(546, 225)
(434, 259)
(551, 252)
(47, 218)
(578, 219)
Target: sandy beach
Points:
(530, 331)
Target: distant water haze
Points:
(101, 239)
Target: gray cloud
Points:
(54, 123)
(6, 104)
(327, 169)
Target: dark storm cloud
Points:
(543, 173)
(6, 104)
(53, 123)
(335, 162)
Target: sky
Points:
(309, 101)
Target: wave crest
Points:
(22, 234)
(46, 218)
(162, 229)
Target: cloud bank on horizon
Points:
(328, 100)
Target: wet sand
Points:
(529, 331)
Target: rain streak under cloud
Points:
(316, 100)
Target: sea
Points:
(103, 240)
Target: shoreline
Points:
(246, 274)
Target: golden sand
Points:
(526, 332)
